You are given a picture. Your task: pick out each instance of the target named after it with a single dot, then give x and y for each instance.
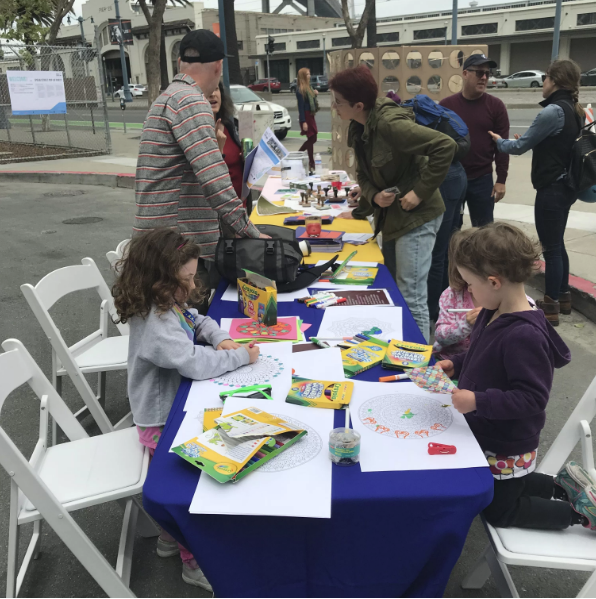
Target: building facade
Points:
(178, 20)
(519, 36)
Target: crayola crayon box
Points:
(402, 355)
(363, 356)
(257, 298)
(240, 443)
(320, 394)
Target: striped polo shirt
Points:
(182, 181)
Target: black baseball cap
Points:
(206, 43)
(478, 59)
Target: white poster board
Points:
(297, 483)
(397, 421)
(347, 321)
(36, 92)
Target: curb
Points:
(125, 180)
(583, 293)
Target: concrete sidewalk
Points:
(117, 170)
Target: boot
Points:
(551, 309)
(565, 302)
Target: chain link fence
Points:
(84, 129)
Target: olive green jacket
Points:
(392, 150)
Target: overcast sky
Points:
(385, 8)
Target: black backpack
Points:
(582, 168)
(279, 258)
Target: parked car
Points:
(524, 79)
(319, 82)
(136, 89)
(282, 122)
(588, 78)
(495, 81)
(262, 85)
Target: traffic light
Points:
(270, 45)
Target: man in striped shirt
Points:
(182, 181)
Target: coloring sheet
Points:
(297, 483)
(322, 364)
(345, 321)
(272, 368)
(246, 328)
(191, 426)
(398, 420)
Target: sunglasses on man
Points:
(480, 73)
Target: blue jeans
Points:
(453, 191)
(551, 212)
(408, 260)
(479, 200)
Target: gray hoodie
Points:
(160, 352)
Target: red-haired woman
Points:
(307, 108)
(393, 151)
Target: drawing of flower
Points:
(525, 460)
(501, 464)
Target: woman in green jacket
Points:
(393, 151)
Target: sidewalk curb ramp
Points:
(583, 292)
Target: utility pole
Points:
(453, 25)
(127, 94)
(324, 58)
(222, 35)
(557, 33)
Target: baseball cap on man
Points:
(471, 61)
(206, 43)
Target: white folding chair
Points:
(114, 255)
(96, 353)
(570, 549)
(57, 480)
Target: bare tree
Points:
(154, 48)
(356, 34)
(61, 9)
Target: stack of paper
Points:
(244, 330)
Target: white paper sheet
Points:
(340, 321)
(191, 426)
(354, 263)
(272, 368)
(231, 293)
(397, 421)
(319, 364)
(296, 483)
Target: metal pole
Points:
(127, 94)
(67, 131)
(268, 72)
(324, 58)
(32, 132)
(106, 117)
(557, 33)
(222, 35)
(453, 24)
(80, 19)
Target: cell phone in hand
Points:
(394, 189)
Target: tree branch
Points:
(145, 10)
(346, 15)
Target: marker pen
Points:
(394, 377)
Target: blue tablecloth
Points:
(392, 534)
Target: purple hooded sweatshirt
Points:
(509, 367)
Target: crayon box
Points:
(363, 356)
(402, 355)
(320, 394)
(257, 298)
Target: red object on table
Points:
(313, 229)
(438, 449)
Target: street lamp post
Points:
(127, 94)
(222, 35)
(557, 32)
(454, 24)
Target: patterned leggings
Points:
(149, 437)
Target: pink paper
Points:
(305, 326)
(433, 379)
(286, 329)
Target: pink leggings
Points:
(149, 437)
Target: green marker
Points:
(252, 392)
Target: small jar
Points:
(344, 446)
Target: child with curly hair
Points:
(156, 278)
(504, 383)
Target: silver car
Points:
(523, 79)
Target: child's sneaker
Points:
(574, 479)
(195, 577)
(585, 504)
(167, 548)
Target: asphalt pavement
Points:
(36, 240)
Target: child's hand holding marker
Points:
(463, 401)
(253, 351)
(472, 315)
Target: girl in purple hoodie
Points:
(504, 383)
